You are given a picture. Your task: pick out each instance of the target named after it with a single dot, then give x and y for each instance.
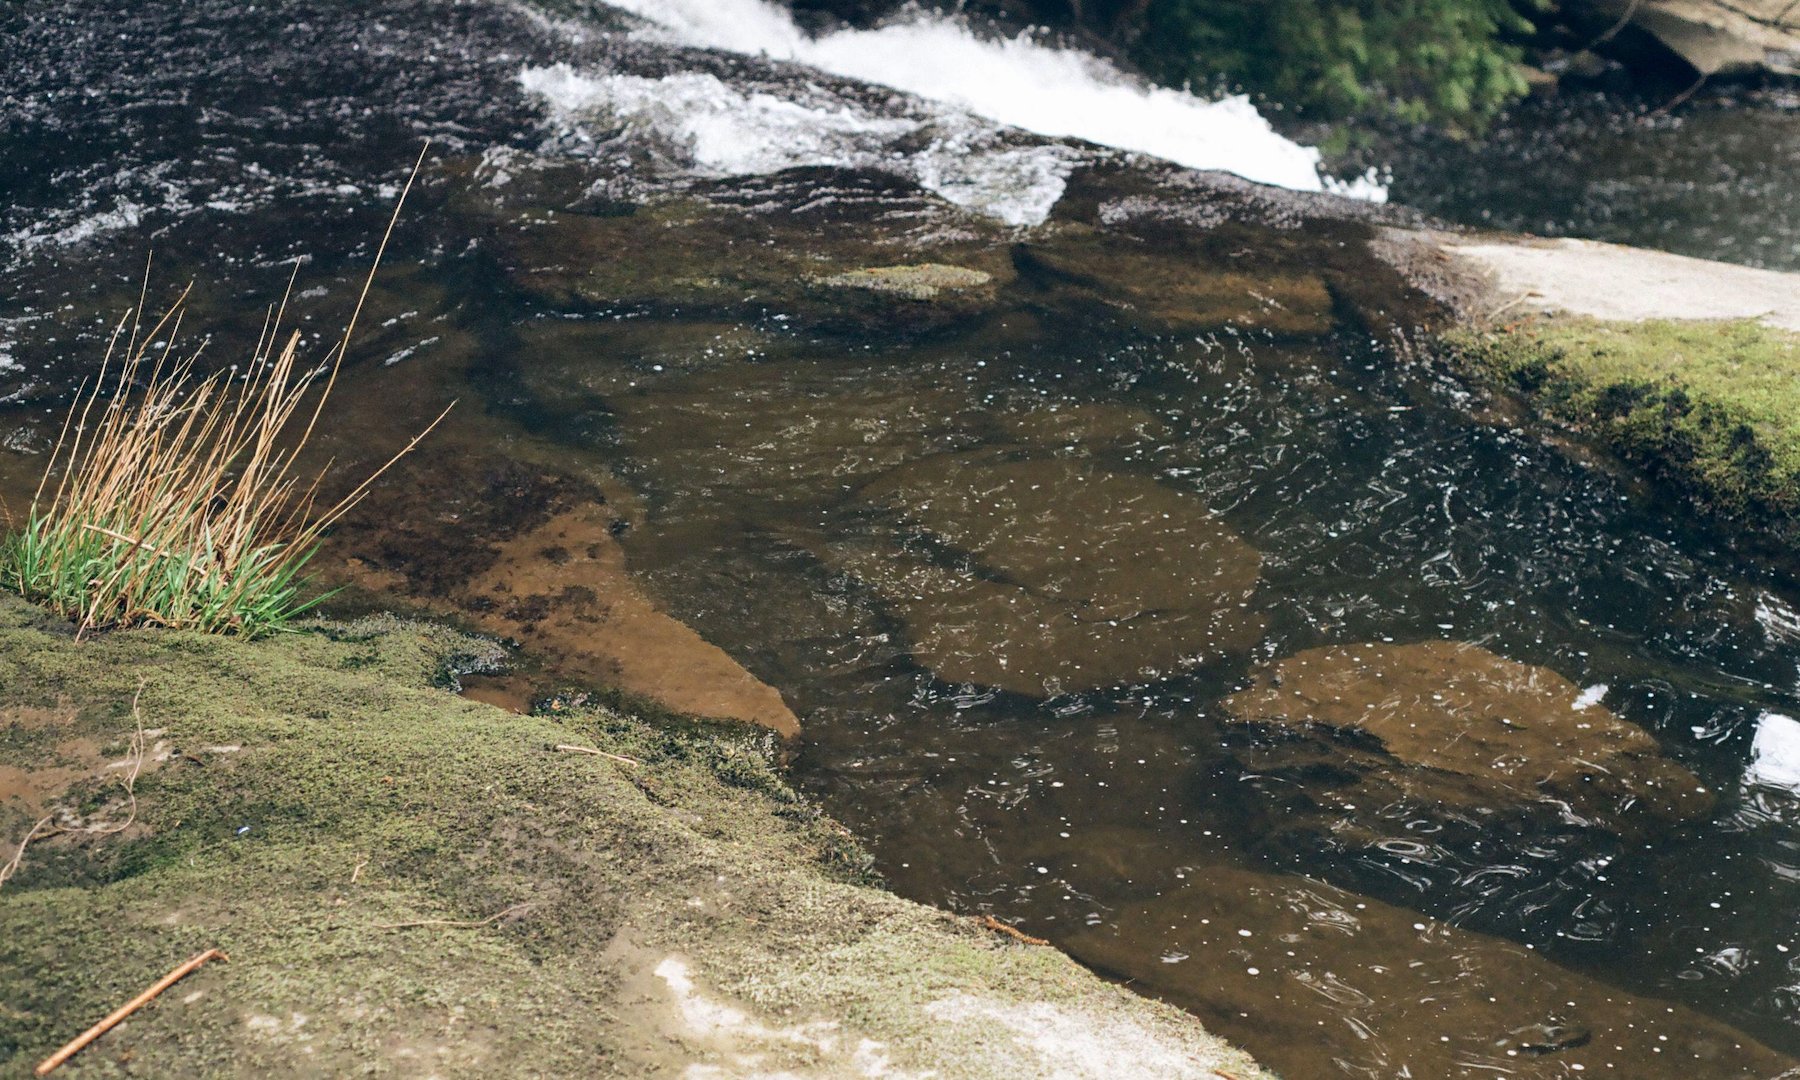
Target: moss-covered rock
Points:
(1711, 409)
(411, 883)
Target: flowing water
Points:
(1714, 179)
(1128, 583)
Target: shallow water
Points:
(1038, 559)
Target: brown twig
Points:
(568, 749)
(1519, 299)
(356, 871)
(988, 922)
(1681, 97)
(452, 923)
(136, 1003)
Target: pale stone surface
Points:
(1610, 281)
(917, 281)
(1721, 36)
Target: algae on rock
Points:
(359, 802)
(1710, 408)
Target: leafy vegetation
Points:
(1438, 61)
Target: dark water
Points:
(1017, 555)
(1713, 178)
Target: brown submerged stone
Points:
(1327, 983)
(1464, 726)
(1058, 577)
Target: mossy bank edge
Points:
(412, 883)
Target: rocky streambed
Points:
(1127, 560)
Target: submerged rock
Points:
(1458, 727)
(1284, 959)
(1184, 283)
(1084, 426)
(1045, 575)
(917, 281)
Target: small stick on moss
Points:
(988, 922)
(356, 871)
(136, 1003)
(452, 923)
(568, 749)
(1519, 299)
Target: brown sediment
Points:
(1282, 961)
(1121, 578)
(563, 588)
(47, 753)
(1461, 726)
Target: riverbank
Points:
(1685, 369)
(411, 882)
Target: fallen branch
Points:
(452, 923)
(568, 749)
(988, 922)
(136, 1003)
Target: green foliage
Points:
(78, 567)
(1439, 61)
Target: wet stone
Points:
(1182, 284)
(1456, 730)
(1287, 962)
(919, 281)
(1046, 576)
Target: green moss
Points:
(313, 790)
(1711, 408)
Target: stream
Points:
(1130, 582)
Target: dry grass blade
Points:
(179, 501)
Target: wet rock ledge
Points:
(411, 883)
(1688, 370)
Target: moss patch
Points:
(321, 789)
(1712, 408)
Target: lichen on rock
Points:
(915, 281)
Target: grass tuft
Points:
(178, 502)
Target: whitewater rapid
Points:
(974, 84)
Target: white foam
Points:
(1775, 753)
(719, 130)
(1019, 82)
(1779, 621)
(1591, 696)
